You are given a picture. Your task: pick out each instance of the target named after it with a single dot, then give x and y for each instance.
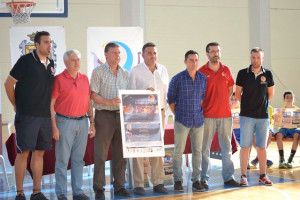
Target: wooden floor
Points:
(286, 183)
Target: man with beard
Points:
(254, 89)
(217, 114)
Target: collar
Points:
(108, 67)
(249, 69)
(144, 64)
(206, 66)
(67, 75)
(36, 57)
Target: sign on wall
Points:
(22, 42)
(130, 40)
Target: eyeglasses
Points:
(215, 52)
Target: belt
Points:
(112, 111)
(69, 117)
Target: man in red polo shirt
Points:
(72, 105)
(217, 114)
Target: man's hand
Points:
(55, 133)
(92, 131)
(114, 102)
(152, 90)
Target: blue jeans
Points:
(196, 134)
(72, 142)
(224, 128)
(248, 126)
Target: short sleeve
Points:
(55, 88)
(95, 81)
(271, 81)
(19, 69)
(172, 91)
(239, 79)
(231, 80)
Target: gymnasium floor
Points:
(286, 183)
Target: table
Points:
(49, 156)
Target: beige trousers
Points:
(156, 163)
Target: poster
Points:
(22, 42)
(168, 165)
(235, 118)
(142, 132)
(287, 117)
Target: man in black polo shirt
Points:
(33, 76)
(254, 89)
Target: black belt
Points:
(69, 117)
(113, 111)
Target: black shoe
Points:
(99, 195)
(62, 197)
(123, 192)
(160, 188)
(204, 184)
(38, 196)
(20, 197)
(198, 187)
(81, 196)
(139, 191)
(178, 186)
(232, 183)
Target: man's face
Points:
(256, 59)
(45, 46)
(214, 54)
(289, 99)
(192, 62)
(73, 63)
(113, 55)
(150, 56)
(234, 102)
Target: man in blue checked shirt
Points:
(185, 95)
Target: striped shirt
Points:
(107, 85)
(187, 95)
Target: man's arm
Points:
(55, 131)
(106, 102)
(238, 92)
(270, 92)
(230, 90)
(172, 107)
(10, 90)
(92, 129)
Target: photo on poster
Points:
(142, 132)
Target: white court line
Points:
(286, 195)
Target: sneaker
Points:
(254, 162)
(62, 197)
(178, 186)
(99, 195)
(38, 196)
(123, 192)
(204, 184)
(269, 163)
(81, 197)
(289, 165)
(244, 182)
(265, 180)
(232, 183)
(160, 188)
(20, 197)
(282, 165)
(198, 187)
(139, 191)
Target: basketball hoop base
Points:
(20, 11)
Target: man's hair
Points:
(39, 34)
(190, 52)
(210, 45)
(70, 52)
(110, 45)
(256, 49)
(149, 44)
(288, 92)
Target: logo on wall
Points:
(28, 47)
(126, 56)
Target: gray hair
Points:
(70, 52)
